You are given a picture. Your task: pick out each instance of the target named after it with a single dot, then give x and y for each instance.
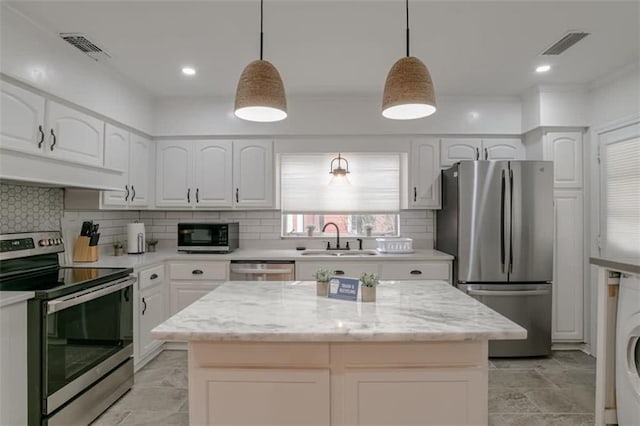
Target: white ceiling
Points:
(334, 47)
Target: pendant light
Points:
(408, 91)
(260, 94)
(338, 171)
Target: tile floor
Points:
(543, 391)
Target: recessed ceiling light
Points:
(188, 71)
(543, 68)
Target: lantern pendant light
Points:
(408, 91)
(260, 94)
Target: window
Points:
(368, 200)
(350, 225)
(620, 152)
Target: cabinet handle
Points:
(338, 272)
(477, 153)
(133, 193)
(126, 196)
(153, 276)
(126, 294)
(197, 195)
(144, 302)
(486, 154)
(416, 272)
(197, 272)
(237, 195)
(188, 195)
(415, 194)
(41, 137)
(54, 140)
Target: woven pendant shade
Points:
(260, 94)
(408, 91)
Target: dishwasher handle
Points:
(252, 271)
(502, 293)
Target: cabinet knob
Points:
(153, 276)
(197, 272)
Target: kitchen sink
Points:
(339, 253)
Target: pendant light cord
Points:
(261, 33)
(407, 7)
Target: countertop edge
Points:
(8, 298)
(616, 264)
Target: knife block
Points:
(82, 252)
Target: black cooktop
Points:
(55, 282)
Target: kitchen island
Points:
(274, 353)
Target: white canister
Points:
(136, 238)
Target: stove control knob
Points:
(51, 241)
(57, 241)
(43, 243)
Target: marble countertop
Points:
(278, 311)
(622, 264)
(10, 297)
(138, 261)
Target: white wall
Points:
(348, 115)
(41, 59)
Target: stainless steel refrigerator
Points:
(497, 220)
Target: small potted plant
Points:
(368, 229)
(310, 228)
(118, 248)
(369, 282)
(322, 282)
(151, 245)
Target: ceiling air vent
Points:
(80, 41)
(565, 42)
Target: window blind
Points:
(307, 187)
(622, 199)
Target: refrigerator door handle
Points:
(507, 293)
(511, 227)
(502, 194)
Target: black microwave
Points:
(208, 237)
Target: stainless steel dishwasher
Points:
(256, 270)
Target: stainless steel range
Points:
(80, 323)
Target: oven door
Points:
(86, 336)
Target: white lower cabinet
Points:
(256, 396)
(13, 364)
(190, 280)
(152, 309)
(387, 270)
(568, 266)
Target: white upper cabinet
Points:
(453, 150)
(116, 156)
(213, 173)
(502, 149)
(140, 173)
(22, 120)
(130, 154)
(174, 173)
(74, 136)
(424, 185)
(565, 150)
(253, 174)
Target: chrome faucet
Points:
(337, 237)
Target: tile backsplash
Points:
(30, 208)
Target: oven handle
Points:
(492, 293)
(57, 305)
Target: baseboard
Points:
(175, 346)
(144, 361)
(571, 346)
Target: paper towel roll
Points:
(136, 238)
